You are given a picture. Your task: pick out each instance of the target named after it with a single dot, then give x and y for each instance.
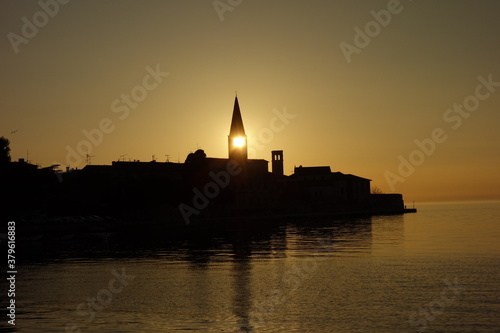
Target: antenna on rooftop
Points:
(89, 159)
(168, 157)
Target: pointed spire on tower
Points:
(237, 139)
(237, 122)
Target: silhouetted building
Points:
(387, 203)
(318, 189)
(277, 162)
(21, 164)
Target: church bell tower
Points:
(277, 162)
(237, 139)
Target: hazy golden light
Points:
(337, 109)
(239, 142)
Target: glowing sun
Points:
(239, 142)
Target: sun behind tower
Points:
(237, 139)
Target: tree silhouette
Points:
(4, 150)
(376, 190)
(197, 158)
(196, 168)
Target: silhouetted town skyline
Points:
(199, 189)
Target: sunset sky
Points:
(350, 84)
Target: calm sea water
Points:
(434, 271)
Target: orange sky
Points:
(145, 78)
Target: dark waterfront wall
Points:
(387, 203)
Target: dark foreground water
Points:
(434, 271)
